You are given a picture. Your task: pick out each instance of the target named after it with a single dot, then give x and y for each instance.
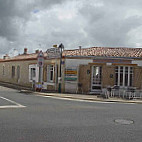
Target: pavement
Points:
(85, 97)
(89, 97)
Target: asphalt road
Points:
(44, 119)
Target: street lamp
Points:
(61, 48)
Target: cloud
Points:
(79, 22)
(109, 23)
(14, 16)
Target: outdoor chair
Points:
(138, 94)
(130, 93)
(115, 91)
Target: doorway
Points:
(96, 78)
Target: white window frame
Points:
(130, 72)
(50, 68)
(35, 78)
(96, 82)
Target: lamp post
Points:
(61, 47)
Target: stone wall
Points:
(137, 77)
(85, 77)
(6, 75)
(108, 76)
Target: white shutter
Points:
(37, 73)
(30, 74)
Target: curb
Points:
(88, 99)
(27, 90)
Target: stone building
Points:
(23, 70)
(85, 70)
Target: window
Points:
(3, 70)
(124, 76)
(50, 73)
(33, 73)
(18, 72)
(13, 71)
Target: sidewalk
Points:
(90, 97)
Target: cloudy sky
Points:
(38, 24)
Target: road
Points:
(31, 118)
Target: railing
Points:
(122, 92)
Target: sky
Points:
(40, 24)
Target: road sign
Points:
(53, 53)
(71, 74)
(40, 59)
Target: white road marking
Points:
(70, 99)
(11, 106)
(17, 105)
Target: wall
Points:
(137, 77)
(85, 75)
(108, 75)
(85, 78)
(24, 72)
(138, 62)
(71, 86)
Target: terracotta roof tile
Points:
(105, 51)
(24, 57)
(93, 51)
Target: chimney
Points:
(37, 51)
(25, 50)
(6, 56)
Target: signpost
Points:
(56, 52)
(53, 53)
(40, 62)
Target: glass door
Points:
(96, 78)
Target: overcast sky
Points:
(38, 24)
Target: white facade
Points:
(138, 62)
(73, 65)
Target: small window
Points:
(13, 71)
(33, 73)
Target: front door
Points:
(96, 78)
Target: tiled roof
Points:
(93, 51)
(24, 57)
(105, 52)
